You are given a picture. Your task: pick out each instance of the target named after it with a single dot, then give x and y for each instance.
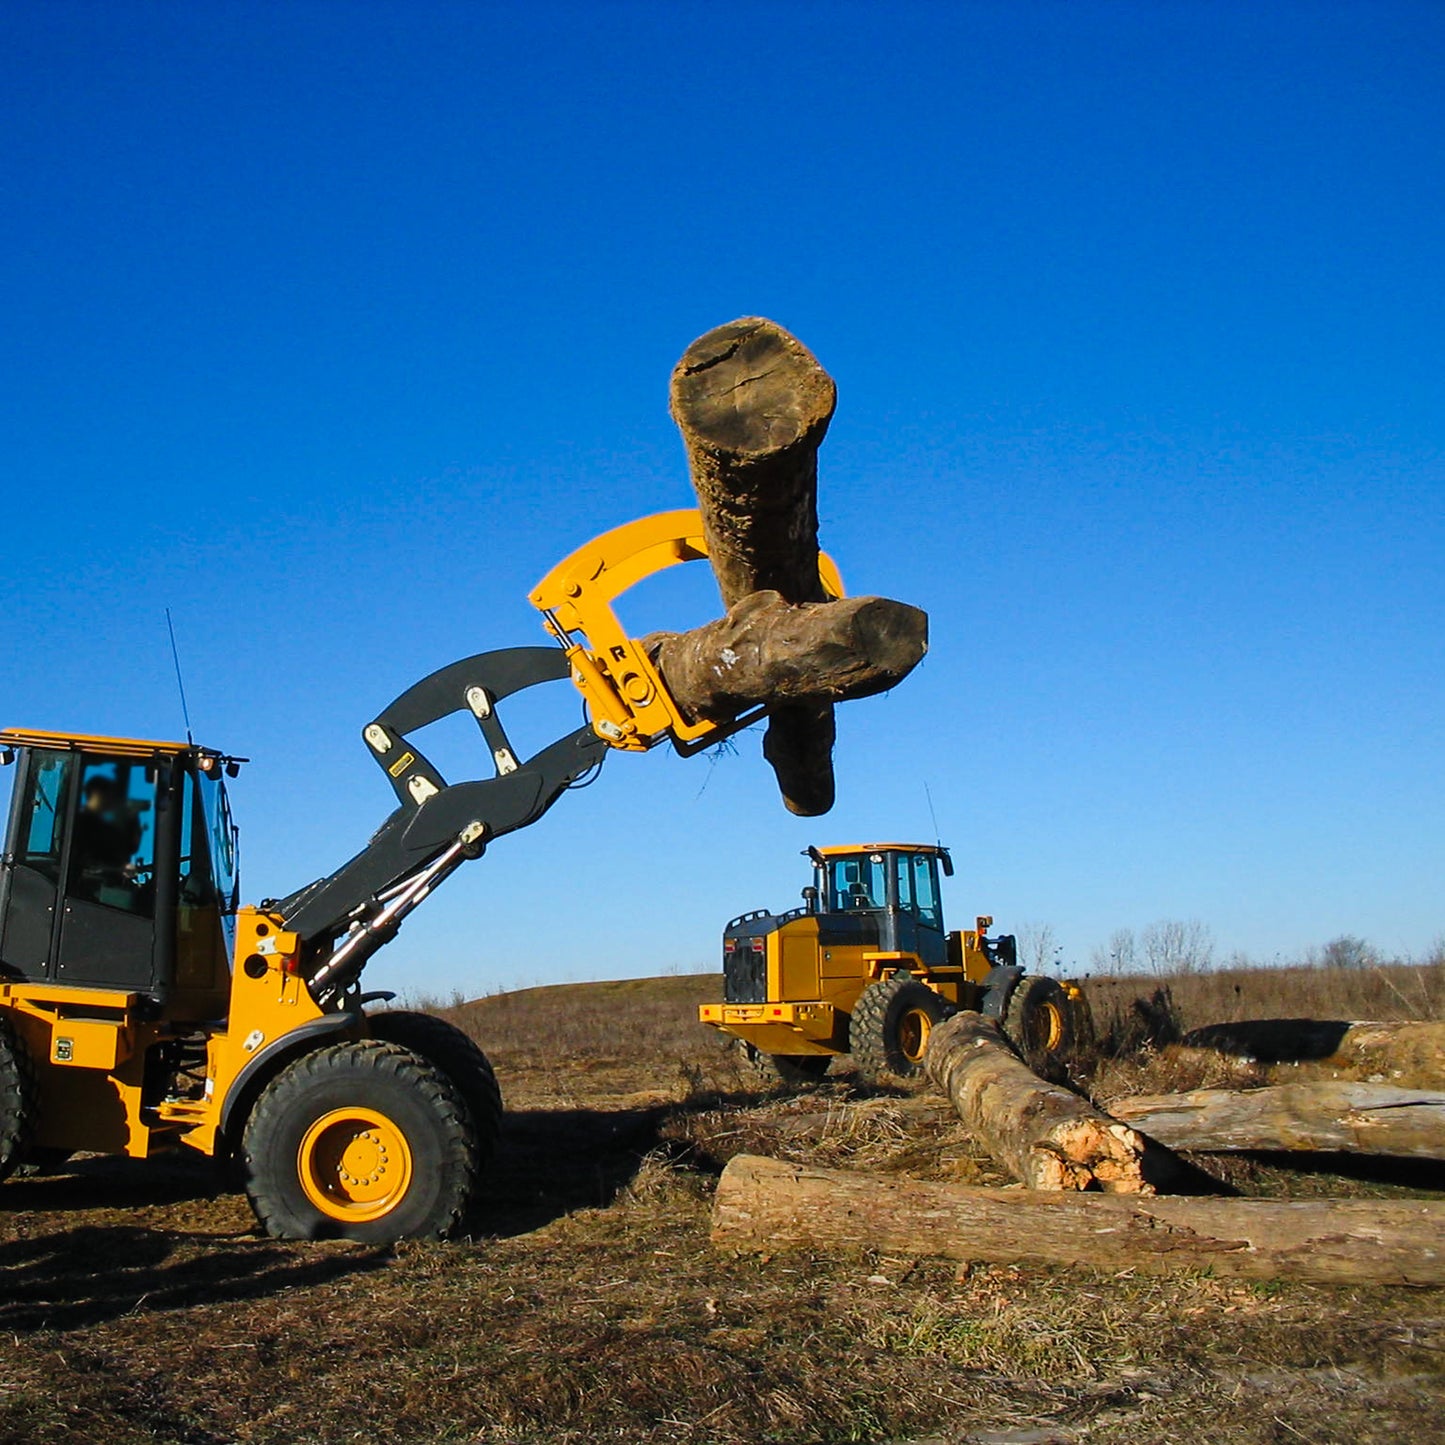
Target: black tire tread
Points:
(1034, 991)
(459, 1057)
(792, 1071)
(18, 1100)
(871, 1037)
(267, 1177)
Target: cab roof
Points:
(111, 747)
(839, 850)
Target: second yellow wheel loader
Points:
(865, 967)
(144, 1010)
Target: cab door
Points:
(107, 933)
(920, 913)
(33, 863)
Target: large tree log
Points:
(1347, 1117)
(753, 404)
(767, 1206)
(1048, 1137)
(766, 651)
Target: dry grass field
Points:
(138, 1304)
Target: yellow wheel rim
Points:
(1046, 1028)
(354, 1164)
(913, 1031)
(1053, 1026)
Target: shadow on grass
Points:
(1272, 1041)
(1415, 1176)
(551, 1162)
(113, 1183)
(74, 1278)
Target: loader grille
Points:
(745, 970)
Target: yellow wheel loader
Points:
(865, 967)
(144, 1010)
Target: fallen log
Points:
(1046, 1136)
(764, 1205)
(1328, 1117)
(753, 405)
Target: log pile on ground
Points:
(766, 1206)
(753, 404)
(1048, 1137)
(1090, 1177)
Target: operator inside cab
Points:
(111, 860)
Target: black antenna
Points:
(176, 658)
(937, 836)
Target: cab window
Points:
(112, 850)
(221, 837)
(857, 883)
(49, 773)
(923, 868)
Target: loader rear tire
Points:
(17, 1100)
(1039, 1022)
(458, 1057)
(891, 1024)
(790, 1070)
(363, 1140)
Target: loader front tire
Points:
(789, 1070)
(891, 1024)
(1039, 1022)
(364, 1140)
(17, 1100)
(458, 1057)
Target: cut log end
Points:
(1046, 1136)
(799, 748)
(751, 389)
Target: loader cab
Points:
(119, 871)
(887, 891)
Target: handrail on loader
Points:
(628, 703)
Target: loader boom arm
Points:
(342, 919)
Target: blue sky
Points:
(333, 326)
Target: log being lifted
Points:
(1330, 1117)
(753, 404)
(767, 1206)
(1048, 1137)
(766, 650)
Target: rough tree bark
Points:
(1048, 1137)
(767, 1206)
(1347, 1117)
(765, 650)
(753, 404)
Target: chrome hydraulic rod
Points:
(369, 934)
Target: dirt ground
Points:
(137, 1302)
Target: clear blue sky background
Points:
(334, 326)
